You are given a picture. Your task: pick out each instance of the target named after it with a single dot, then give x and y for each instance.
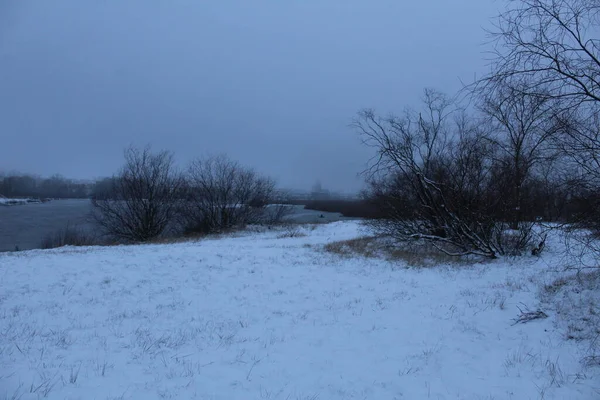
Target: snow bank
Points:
(258, 316)
(12, 202)
(15, 202)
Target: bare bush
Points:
(291, 231)
(142, 201)
(438, 181)
(69, 236)
(276, 212)
(223, 194)
(587, 215)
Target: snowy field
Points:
(264, 316)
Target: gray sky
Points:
(274, 84)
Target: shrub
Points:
(68, 236)
(224, 195)
(142, 201)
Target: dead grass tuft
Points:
(414, 254)
(175, 240)
(362, 246)
(291, 232)
(555, 286)
(70, 235)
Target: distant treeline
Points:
(57, 187)
(357, 208)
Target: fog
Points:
(274, 84)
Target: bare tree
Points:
(435, 179)
(551, 49)
(548, 189)
(580, 141)
(548, 46)
(523, 126)
(143, 198)
(548, 50)
(224, 194)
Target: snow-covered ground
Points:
(265, 316)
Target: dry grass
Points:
(292, 231)
(362, 246)
(414, 254)
(295, 234)
(69, 236)
(555, 286)
(176, 239)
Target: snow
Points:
(7, 202)
(13, 202)
(265, 316)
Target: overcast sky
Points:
(274, 84)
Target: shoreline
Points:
(7, 202)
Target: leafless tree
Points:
(549, 47)
(548, 189)
(522, 128)
(224, 194)
(580, 141)
(549, 50)
(435, 179)
(143, 198)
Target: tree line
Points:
(54, 187)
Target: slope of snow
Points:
(259, 316)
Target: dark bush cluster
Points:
(348, 208)
(150, 198)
